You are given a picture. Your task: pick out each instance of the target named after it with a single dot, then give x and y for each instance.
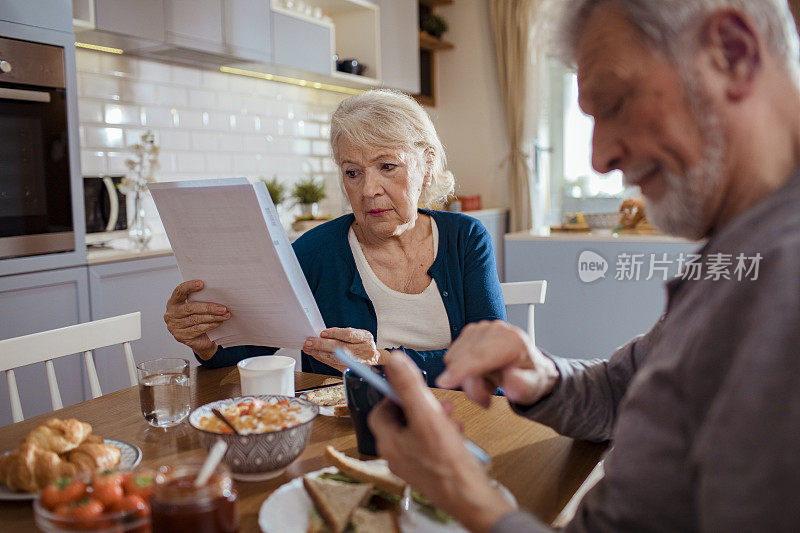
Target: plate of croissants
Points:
(60, 448)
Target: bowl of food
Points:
(107, 501)
(272, 431)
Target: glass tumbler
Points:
(164, 391)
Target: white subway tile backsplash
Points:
(89, 111)
(208, 124)
(158, 117)
(97, 87)
(320, 148)
(93, 163)
(122, 114)
(116, 162)
(153, 71)
(191, 162)
(205, 142)
(104, 137)
(186, 76)
(171, 96)
(202, 98)
(174, 140)
(218, 163)
(301, 147)
(137, 91)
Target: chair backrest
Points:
(81, 338)
(528, 293)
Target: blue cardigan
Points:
(464, 270)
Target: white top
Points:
(416, 321)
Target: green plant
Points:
(308, 191)
(434, 24)
(277, 190)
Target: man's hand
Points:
(358, 341)
(190, 322)
(428, 450)
(496, 354)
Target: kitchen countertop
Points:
(122, 249)
(597, 235)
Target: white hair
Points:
(663, 24)
(382, 118)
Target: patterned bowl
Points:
(259, 456)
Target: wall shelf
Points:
(429, 42)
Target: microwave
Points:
(105, 207)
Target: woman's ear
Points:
(430, 160)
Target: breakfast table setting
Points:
(540, 469)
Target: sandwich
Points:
(335, 501)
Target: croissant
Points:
(60, 436)
(90, 457)
(30, 468)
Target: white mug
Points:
(267, 374)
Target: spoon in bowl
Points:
(222, 417)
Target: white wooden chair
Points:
(528, 293)
(49, 345)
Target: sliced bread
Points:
(377, 474)
(328, 396)
(335, 501)
(366, 521)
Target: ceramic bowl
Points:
(259, 456)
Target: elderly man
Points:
(697, 102)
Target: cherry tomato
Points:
(107, 477)
(65, 490)
(139, 484)
(107, 493)
(132, 504)
(84, 514)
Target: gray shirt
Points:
(704, 409)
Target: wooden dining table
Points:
(541, 468)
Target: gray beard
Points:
(683, 209)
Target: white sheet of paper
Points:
(226, 232)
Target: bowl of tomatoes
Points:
(106, 501)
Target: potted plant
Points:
(277, 190)
(141, 170)
(308, 193)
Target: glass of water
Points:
(164, 391)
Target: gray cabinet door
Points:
(50, 14)
(300, 44)
(195, 24)
(30, 303)
(125, 287)
(400, 44)
(247, 29)
(143, 18)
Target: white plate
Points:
(131, 456)
(287, 509)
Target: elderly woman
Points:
(390, 275)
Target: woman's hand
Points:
(358, 341)
(428, 452)
(190, 322)
(493, 354)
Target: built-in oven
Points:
(35, 201)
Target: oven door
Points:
(35, 201)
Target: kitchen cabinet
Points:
(247, 29)
(301, 44)
(119, 23)
(399, 23)
(35, 302)
(49, 14)
(194, 24)
(125, 287)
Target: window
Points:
(563, 154)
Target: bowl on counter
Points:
(259, 456)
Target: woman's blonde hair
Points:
(382, 118)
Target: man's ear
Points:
(736, 51)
